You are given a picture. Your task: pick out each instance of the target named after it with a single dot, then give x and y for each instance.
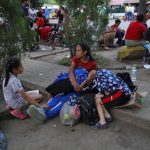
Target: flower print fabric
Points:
(106, 81)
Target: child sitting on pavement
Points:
(14, 94)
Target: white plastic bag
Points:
(69, 115)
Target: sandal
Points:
(9, 108)
(18, 114)
(98, 125)
(108, 120)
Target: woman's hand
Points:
(77, 87)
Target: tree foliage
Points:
(37, 3)
(78, 28)
(15, 35)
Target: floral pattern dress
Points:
(106, 81)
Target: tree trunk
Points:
(142, 7)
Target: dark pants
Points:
(120, 36)
(117, 98)
(129, 16)
(62, 87)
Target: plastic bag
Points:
(69, 115)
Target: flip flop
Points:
(108, 120)
(100, 126)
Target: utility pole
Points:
(142, 7)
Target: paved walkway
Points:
(39, 74)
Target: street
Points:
(28, 135)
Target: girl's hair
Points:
(11, 64)
(85, 47)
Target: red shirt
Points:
(115, 28)
(135, 31)
(40, 22)
(90, 65)
(44, 32)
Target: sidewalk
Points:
(44, 51)
(38, 75)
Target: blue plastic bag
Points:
(3, 142)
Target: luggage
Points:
(88, 109)
(125, 76)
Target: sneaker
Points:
(18, 114)
(36, 113)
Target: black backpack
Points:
(88, 109)
(125, 76)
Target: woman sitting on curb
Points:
(81, 60)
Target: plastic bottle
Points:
(144, 60)
(133, 73)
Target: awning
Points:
(132, 1)
(148, 2)
(116, 2)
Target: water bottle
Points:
(133, 73)
(144, 60)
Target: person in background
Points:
(15, 96)
(129, 12)
(119, 31)
(108, 37)
(25, 7)
(60, 15)
(46, 13)
(40, 20)
(135, 32)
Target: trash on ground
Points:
(147, 66)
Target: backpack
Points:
(88, 109)
(125, 76)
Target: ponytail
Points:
(7, 76)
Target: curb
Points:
(122, 114)
(51, 53)
(126, 115)
(131, 118)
